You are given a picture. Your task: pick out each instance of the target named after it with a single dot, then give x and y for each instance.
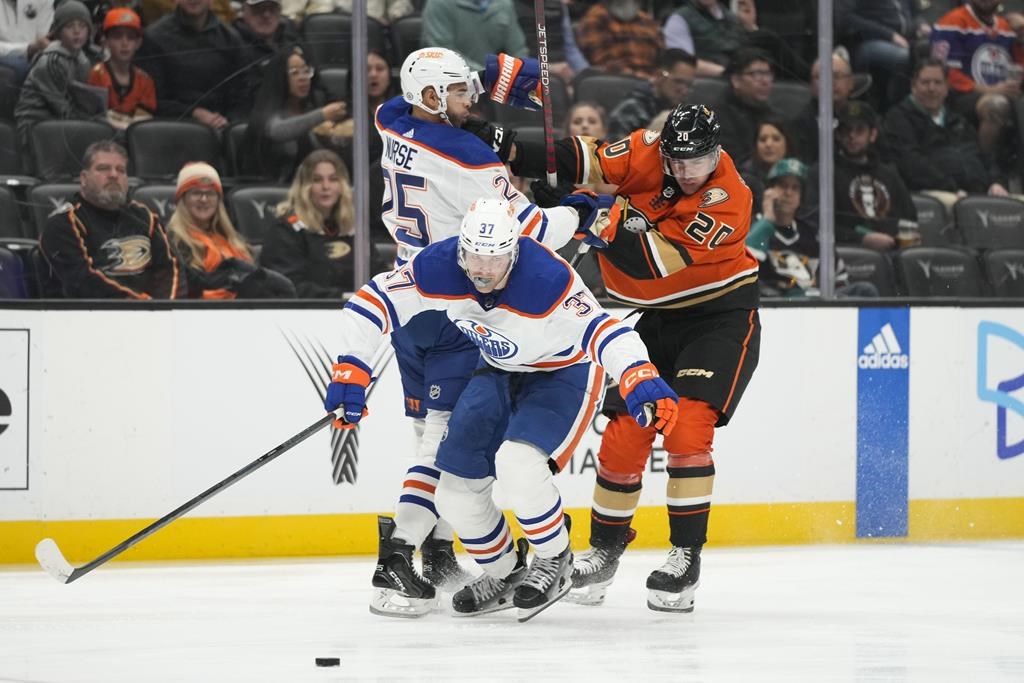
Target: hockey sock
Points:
(481, 527)
(415, 514)
(527, 483)
(688, 495)
(615, 501)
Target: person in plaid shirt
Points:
(617, 37)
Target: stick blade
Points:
(52, 560)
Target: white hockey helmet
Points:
(489, 242)
(437, 68)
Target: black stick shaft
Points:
(545, 92)
(204, 496)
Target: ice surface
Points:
(864, 612)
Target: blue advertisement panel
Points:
(883, 383)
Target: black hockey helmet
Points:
(691, 130)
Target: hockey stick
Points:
(52, 559)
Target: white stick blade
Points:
(52, 560)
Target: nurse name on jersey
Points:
(399, 153)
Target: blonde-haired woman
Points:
(311, 243)
(219, 263)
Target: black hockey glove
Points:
(501, 140)
(546, 196)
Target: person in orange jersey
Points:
(217, 259)
(674, 248)
(132, 94)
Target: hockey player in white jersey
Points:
(545, 345)
(433, 171)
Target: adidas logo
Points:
(884, 352)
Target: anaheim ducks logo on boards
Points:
(490, 342)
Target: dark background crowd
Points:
(222, 132)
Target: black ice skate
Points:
(592, 573)
(547, 582)
(441, 568)
(401, 592)
(671, 587)
(488, 594)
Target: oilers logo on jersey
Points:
(492, 343)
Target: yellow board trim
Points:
(356, 534)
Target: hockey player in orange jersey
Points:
(674, 249)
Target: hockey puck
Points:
(328, 661)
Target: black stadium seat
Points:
(516, 117)
(329, 38)
(254, 209)
(990, 222)
(159, 199)
(58, 147)
(940, 271)
(605, 89)
(1005, 270)
(868, 265)
(334, 81)
(789, 97)
(9, 90)
(707, 90)
(45, 199)
(158, 149)
(21, 249)
(13, 283)
(406, 37)
(933, 222)
(10, 216)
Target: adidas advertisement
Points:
(883, 409)
(883, 351)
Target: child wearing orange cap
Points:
(132, 94)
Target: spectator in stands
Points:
(785, 242)
(879, 34)
(873, 207)
(587, 118)
(985, 66)
(337, 135)
(384, 11)
(198, 64)
(289, 105)
(474, 29)
(669, 86)
(216, 259)
(312, 242)
(845, 84)
(618, 37)
(935, 148)
(101, 246)
(55, 87)
(131, 93)
(265, 32)
(711, 32)
(154, 10)
(772, 143)
(24, 33)
(745, 102)
(297, 10)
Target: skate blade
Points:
(389, 603)
(500, 607)
(679, 603)
(525, 614)
(591, 596)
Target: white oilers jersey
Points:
(434, 172)
(544, 319)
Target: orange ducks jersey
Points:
(670, 250)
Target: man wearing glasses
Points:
(669, 86)
(745, 103)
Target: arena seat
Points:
(58, 147)
(608, 90)
(253, 209)
(868, 265)
(45, 199)
(10, 215)
(933, 222)
(158, 149)
(406, 37)
(940, 271)
(990, 222)
(1005, 271)
(159, 199)
(12, 276)
(329, 38)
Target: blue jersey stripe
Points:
(618, 332)
(387, 303)
(366, 314)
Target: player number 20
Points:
(704, 225)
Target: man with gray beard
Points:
(101, 246)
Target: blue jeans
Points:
(889, 66)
